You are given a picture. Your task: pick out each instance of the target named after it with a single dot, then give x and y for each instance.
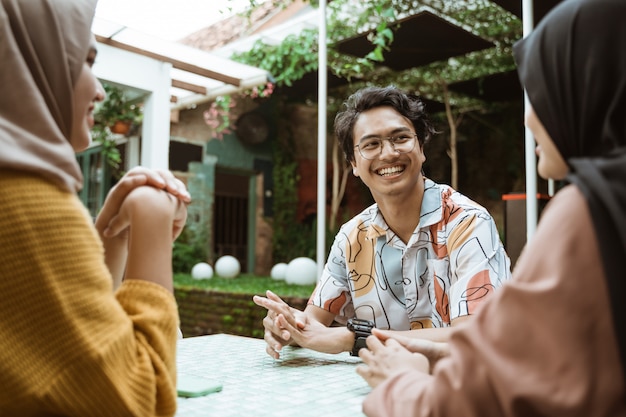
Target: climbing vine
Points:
(297, 54)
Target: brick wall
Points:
(208, 312)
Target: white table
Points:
(302, 383)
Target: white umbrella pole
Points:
(321, 141)
(531, 158)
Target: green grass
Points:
(245, 284)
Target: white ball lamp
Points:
(301, 271)
(202, 270)
(227, 266)
(278, 271)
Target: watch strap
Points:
(361, 329)
(359, 343)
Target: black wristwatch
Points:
(361, 329)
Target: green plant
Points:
(218, 117)
(297, 54)
(244, 284)
(189, 249)
(115, 107)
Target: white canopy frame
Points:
(168, 76)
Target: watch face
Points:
(360, 325)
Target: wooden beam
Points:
(178, 64)
(189, 86)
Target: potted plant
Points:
(115, 115)
(116, 112)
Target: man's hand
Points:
(276, 335)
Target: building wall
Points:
(297, 121)
(228, 156)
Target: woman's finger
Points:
(373, 343)
(116, 226)
(162, 179)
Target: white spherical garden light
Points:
(278, 271)
(227, 266)
(301, 271)
(202, 270)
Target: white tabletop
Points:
(302, 383)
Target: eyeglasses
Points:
(372, 147)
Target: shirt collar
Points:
(431, 212)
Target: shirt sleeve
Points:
(70, 345)
(332, 292)
(542, 345)
(478, 262)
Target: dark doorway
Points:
(230, 225)
(181, 154)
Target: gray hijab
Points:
(573, 66)
(43, 45)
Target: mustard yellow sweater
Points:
(68, 345)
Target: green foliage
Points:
(189, 249)
(114, 108)
(290, 239)
(288, 61)
(108, 146)
(298, 54)
(244, 284)
(218, 116)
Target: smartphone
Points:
(190, 386)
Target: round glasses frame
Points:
(400, 143)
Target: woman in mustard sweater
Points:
(70, 344)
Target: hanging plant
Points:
(117, 109)
(115, 115)
(260, 91)
(219, 116)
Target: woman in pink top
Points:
(555, 342)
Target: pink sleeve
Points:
(543, 345)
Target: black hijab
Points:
(573, 67)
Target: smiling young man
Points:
(421, 259)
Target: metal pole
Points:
(531, 158)
(321, 141)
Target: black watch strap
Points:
(359, 343)
(361, 329)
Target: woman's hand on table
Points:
(434, 351)
(384, 359)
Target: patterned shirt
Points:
(453, 260)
